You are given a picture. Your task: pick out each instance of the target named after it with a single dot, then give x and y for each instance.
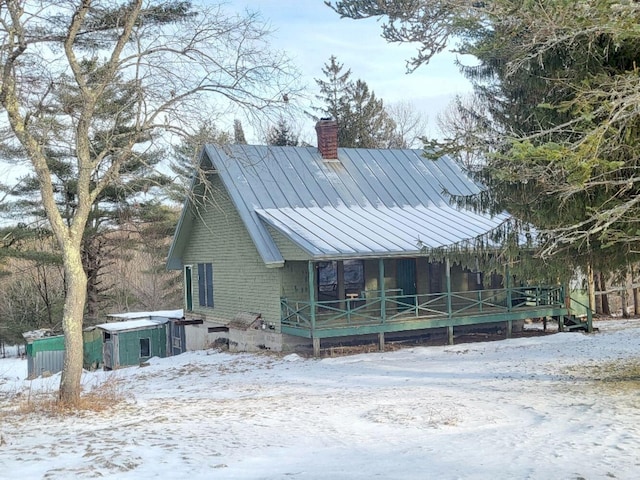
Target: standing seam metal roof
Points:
(368, 202)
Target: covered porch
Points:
(349, 311)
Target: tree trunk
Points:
(70, 382)
(605, 299)
(628, 282)
(598, 288)
(591, 287)
(636, 297)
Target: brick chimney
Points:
(327, 131)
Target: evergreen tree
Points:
(362, 120)
(558, 119)
(86, 89)
(186, 157)
(281, 135)
(238, 133)
(113, 207)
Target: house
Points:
(317, 244)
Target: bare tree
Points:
(103, 79)
(410, 125)
(466, 130)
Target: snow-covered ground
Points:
(564, 406)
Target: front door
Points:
(406, 280)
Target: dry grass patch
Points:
(618, 375)
(95, 398)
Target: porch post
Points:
(448, 277)
(447, 267)
(383, 293)
(507, 284)
(312, 307)
(340, 286)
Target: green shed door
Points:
(406, 278)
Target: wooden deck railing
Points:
(373, 308)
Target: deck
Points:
(392, 311)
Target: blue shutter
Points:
(201, 285)
(209, 285)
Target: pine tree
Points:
(86, 88)
(362, 120)
(238, 133)
(558, 123)
(185, 159)
(281, 135)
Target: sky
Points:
(554, 407)
(310, 32)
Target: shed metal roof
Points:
(382, 202)
(148, 315)
(131, 325)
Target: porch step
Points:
(573, 323)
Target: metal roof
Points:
(367, 202)
(132, 325)
(376, 231)
(148, 315)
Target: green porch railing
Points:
(369, 309)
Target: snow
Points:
(131, 324)
(157, 313)
(546, 407)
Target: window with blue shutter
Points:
(205, 284)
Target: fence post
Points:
(507, 281)
(383, 299)
(312, 297)
(448, 277)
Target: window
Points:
(205, 284)
(353, 277)
(435, 277)
(145, 348)
(333, 277)
(495, 281)
(327, 281)
(474, 280)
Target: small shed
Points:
(45, 352)
(176, 338)
(133, 342)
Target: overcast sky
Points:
(310, 32)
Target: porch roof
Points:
(363, 231)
